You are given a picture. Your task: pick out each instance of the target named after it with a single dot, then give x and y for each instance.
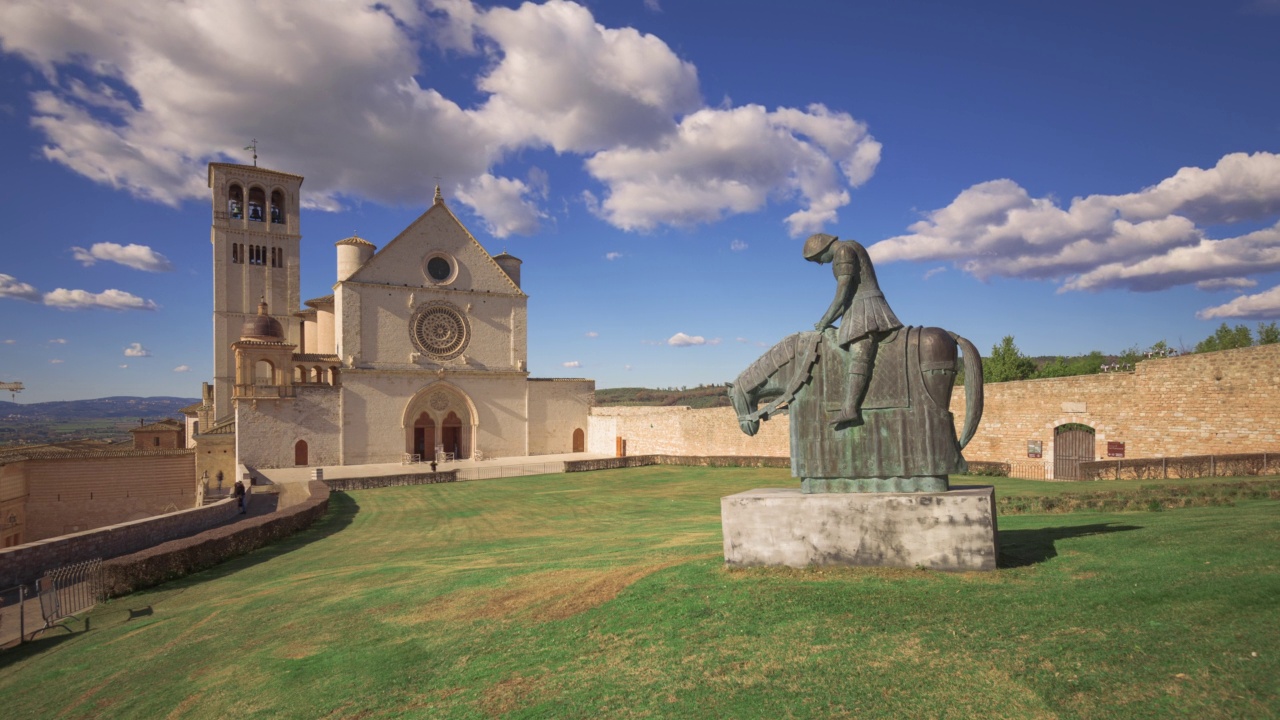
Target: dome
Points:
(262, 326)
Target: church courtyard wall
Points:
(1204, 403)
(557, 408)
(267, 431)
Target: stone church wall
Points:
(684, 431)
(556, 409)
(266, 435)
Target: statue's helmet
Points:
(816, 244)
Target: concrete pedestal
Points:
(954, 530)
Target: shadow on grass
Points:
(1020, 548)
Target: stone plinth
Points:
(954, 530)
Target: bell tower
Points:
(255, 236)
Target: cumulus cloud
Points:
(626, 367)
(1264, 305)
(1147, 240)
(136, 350)
(592, 334)
(139, 257)
(737, 246)
(182, 368)
(612, 255)
(140, 100)
(55, 361)
(934, 271)
(682, 340)
(10, 341)
(572, 364)
(109, 299)
(58, 341)
(10, 287)
(1229, 283)
(503, 205)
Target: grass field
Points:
(604, 595)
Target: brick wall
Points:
(66, 495)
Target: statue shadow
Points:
(1020, 548)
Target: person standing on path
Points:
(239, 493)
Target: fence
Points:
(58, 594)
(490, 472)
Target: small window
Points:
(235, 253)
(155, 441)
(235, 202)
(257, 205)
(277, 207)
(438, 268)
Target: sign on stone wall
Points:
(1115, 449)
(1035, 449)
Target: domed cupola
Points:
(262, 327)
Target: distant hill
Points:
(703, 396)
(108, 418)
(151, 408)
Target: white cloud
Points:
(136, 350)
(612, 255)
(124, 366)
(11, 288)
(55, 361)
(182, 368)
(682, 340)
(1227, 283)
(10, 341)
(737, 246)
(572, 364)
(714, 341)
(501, 203)
(58, 341)
(741, 340)
(140, 100)
(139, 257)
(652, 6)
(934, 271)
(592, 334)
(1264, 305)
(1148, 240)
(109, 299)
(627, 368)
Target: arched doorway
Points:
(451, 436)
(424, 436)
(1072, 445)
(300, 453)
(579, 441)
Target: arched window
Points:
(264, 373)
(235, 202)
(299, 374)
(317, 374)
(257, 205)
(277, 207)
(333, 376)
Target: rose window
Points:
(440, 331)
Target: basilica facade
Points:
(421, 351)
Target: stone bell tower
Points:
(255, 236)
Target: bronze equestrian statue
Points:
(870, 399)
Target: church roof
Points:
(193, 408)
(262, 326)
(250, 168)
(226, 427)
(317, 302)
(161, 425)
(355, 240)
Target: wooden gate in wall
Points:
(1072, 445)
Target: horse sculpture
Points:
(906, 441)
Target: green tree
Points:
(1006, 363)
(1226, 338)
(1268, 334)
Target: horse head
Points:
(744, 407)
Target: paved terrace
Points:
(467, 469)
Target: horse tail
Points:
(972, 388)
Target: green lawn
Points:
(604, 595)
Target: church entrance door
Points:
(579, 441)
(424, 436)
(451, 436)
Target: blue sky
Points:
(1089, 175)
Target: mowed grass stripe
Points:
(604, 595)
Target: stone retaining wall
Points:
(370, 483)
(25, 563)
(178, 558)
(685, 460)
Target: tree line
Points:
(1006, 362)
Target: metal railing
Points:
(69, 590)
(505, 471)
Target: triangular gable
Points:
(400, 262)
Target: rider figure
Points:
(865, 316)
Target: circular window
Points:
(439, 330)
(439, 268)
